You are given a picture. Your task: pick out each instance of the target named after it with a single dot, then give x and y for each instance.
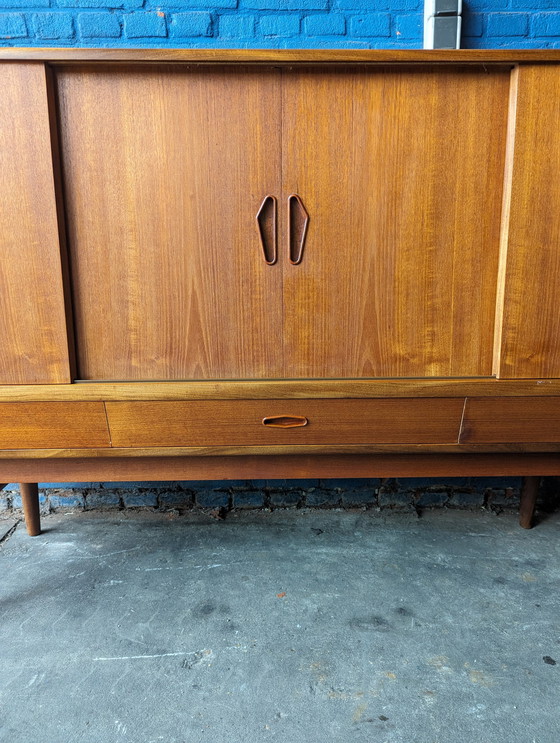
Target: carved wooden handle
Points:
(266, 221)
(298, 222)
(285, 421)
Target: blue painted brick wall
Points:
(269, 23)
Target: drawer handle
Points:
(285, 421)
(266, 222)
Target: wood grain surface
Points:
(505, 219)
(399, 272)
(521, 419)
(531, 320)
(165, 170)
(53, 425)
(278, 467)
(279, 450)
(281, 389)
(33, 336)
(215, 423)
(287, 56)
(401, 173)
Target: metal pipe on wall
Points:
(442, 24)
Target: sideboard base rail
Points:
(277, 466)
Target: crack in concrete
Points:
(9, 533)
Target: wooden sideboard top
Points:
(285, 56)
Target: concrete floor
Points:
(299, 627)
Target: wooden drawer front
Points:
(53, 425)
(240, 422)
(511, 420)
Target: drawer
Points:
(53, 425)
(276, 422)
(511, 420)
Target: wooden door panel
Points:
(165, 170)
(531, 311)
(33, 335)
(401, 173)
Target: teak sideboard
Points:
(240, 264)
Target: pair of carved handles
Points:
(298, 221)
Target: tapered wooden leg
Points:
(30, 498)
(529, 492)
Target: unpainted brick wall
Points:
(269, 23)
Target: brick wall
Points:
(269, 23)
(413, 495)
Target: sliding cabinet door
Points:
(400, 172)
(530, 339)
(165, 170)
(33, 335)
